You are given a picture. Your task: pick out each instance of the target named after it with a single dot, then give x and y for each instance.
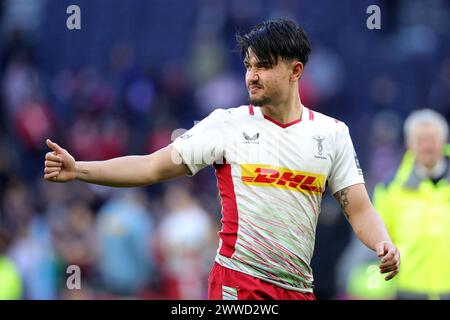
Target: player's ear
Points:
(297, 70)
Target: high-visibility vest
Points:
(10, 281)
(417, 215)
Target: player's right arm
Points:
(199, 147)
(129, 171)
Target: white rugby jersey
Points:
(271, 178)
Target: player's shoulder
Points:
(226, 114)
(327, 122)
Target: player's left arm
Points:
(369, 227)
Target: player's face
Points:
(427, 144)
(266, 85)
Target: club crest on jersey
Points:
(284, 178)
(319, 139)
(251, 139)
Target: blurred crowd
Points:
(137, 71)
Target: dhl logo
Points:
(268, 176)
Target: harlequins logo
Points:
(252, 140)
(319, 139)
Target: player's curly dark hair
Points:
(276, 38)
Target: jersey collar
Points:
(256, 111)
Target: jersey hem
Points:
(283, 286)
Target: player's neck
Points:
(286, 112)
(432, 172)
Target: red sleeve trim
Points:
(311, 115)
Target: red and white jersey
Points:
(271, 179)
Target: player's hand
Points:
(59, 164)
(390, 258)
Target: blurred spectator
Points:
(440, 89)
(384, 141)
(326, 71)
(21, 82)
(186, 239)
(10, 280)
(206, 60)
(125, 228)
(33, 124)
(93, 139)
(75, 243)
(415, 207)
(227, 89)
(26, 14)
(31, 249)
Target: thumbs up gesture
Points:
(59, 164)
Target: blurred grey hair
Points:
(425, 116)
